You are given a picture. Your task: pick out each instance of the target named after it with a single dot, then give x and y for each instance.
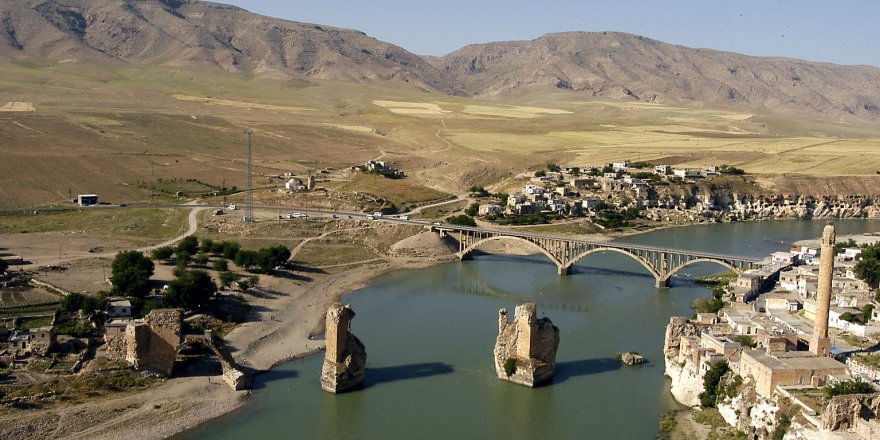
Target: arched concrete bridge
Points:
(662, 263)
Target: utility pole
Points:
(249, 208)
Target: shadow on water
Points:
(584, 367)
(377, 376)
(264, 379)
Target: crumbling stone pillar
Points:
(346, 358)
(525, 350)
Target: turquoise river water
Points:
(429, 335)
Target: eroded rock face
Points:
(525, 350)
(844, 412)
(345, 360)
(687, 380)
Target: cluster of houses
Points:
(19, 345)
(762, 335)
(576, 192)
(382, 167)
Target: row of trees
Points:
(132, 270)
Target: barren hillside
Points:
(188, 33)
(624, 66)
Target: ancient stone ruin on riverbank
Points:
(525, 351)
(345, 359)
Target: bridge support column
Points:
(563, 270)
(662, 283)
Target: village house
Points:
(489, 209)
(119, 308)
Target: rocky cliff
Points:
(687, 380)
(847, 412)
(345, 360)
(525, 350)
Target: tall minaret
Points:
(819, 343)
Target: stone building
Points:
(787, 368)
(345, 359)
(525, 350)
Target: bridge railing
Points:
(616, 245)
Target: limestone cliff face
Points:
(525, 350)
(687, 381)
(845, 412)
(345, 360)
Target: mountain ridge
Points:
(615, 65)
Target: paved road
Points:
(385, 218)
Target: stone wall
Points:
(527, 346)
(346, 358)
(151, 344)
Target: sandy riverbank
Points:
(284, 318)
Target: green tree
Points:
(221, 265)
(246, 259)
(855, 386)
(540, 173)
(461, 220)
(712, 384)
(473, 209)
(190, 290)
(162, 253)
(202, 259)
(227, 278)
(207, 245)
(707, 305)
(553, 167)
(189, 244)
(131, 272)
(72, 302)
(229, 249)
(868, 267)
(183, 258)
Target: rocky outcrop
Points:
(632, 358)
(845, 412)
(345, 360)
(525, 350)
(687, 380)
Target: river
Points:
(429, 335)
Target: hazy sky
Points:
(843, 32)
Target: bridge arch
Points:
(566, 268)
(464, 253)
(665, 278)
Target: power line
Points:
(249, 203)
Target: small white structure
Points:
(489, 209)
(87, 199)
(119, 308)
(294, 185)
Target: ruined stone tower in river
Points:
(820, 345)
(525, 351)
(345, 359)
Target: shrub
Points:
(221, 265)
(855, 386)
(712, 384)
(510, 366)
(162, 253)
(189, 244)
(461, 220)
(207, 245)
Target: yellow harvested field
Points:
(412, 108)
(357, 128)
(242, 104)
(512, 111)
(14, 106)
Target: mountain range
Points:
(203, 35)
